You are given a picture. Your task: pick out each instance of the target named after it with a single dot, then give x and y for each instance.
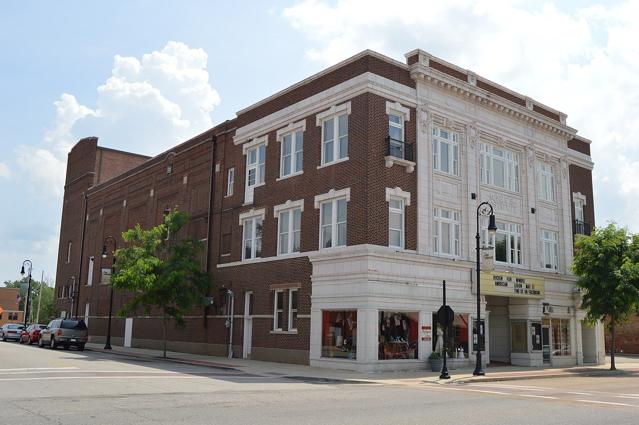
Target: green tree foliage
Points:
(160, 269)
(47, 303)
(607, 264)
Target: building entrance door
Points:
(248, 326)
(545, 341)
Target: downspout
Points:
(229, 320)
(84, 226)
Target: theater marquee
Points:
(511, 285)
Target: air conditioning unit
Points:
(547, 309)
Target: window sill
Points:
(501, 189)
(283, 332)
(445, 174)
(391, 160)
(328, 164)
(332, 247)
(299, 173)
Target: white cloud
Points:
(4, 171)
(582, 62)
(147, 105)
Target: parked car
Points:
(64, 332)
(11, 331)
(31, 334)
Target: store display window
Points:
(397, 335)
(519, 336)
(339, 334)
(457, 343)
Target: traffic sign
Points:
(445, 316)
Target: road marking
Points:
(537, 396)
(607, 402)
(127, 377)
(576, 393)
(36, 368)
(632, 397)
(517, 387)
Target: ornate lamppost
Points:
(483, 209)
(26, 308)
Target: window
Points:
(290, 225)
(507, 242)
(397, 335)
(278, 311)
(69, 246)
(457, 343)
(333, 223)
(549, 257)
(579, 210)
(255, 158)
(335, 138)
(230, 181)
(519, 336)
(560, 337)
(499, 167)
(292, 154)
(339, 334)
(396, 222)
(546, 182)
(252, 237)
(445, 151)
(446, 232)
(293, 302)
(90, 271)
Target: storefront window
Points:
(457, 343)
(519, 337)
(339, 334)
(397, 335)
(560, 337)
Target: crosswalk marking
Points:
(607, 402)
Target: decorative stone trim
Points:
(287, 206)
(399, 109)
(333, 110)
(332, 194)
(252, 213)
(397, 193)
(389, 161)
(578, 196)
(255, 142)
(292, 127)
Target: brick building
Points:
(9, 310)
(332, 211)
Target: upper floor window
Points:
(446, 232)
(332, 206)
(255, 152)
(445, 151)
(334, 124)
(499, 167)
(548, 245)
(546, 182)
(251, 223)
(291, 140)
(230, 181)
(69, 246)
(289, 226)
(507, 243)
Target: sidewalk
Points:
(625, 366)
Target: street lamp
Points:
(107, 346)
(483, 209)
(26, 308)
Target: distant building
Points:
(332, 211)
(9, 306)
(626, 338)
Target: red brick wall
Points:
(581, 181)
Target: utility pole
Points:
(40, 298)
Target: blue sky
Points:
(60, 79)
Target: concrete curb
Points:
(591, 373)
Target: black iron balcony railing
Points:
(399, 149)
(581, 228)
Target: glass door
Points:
(545, 343)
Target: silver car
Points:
(65, 333)
(11, 331)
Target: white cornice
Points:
(287, 206)
(332, 194)
(484, 98)
(252, 213)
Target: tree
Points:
(47, 303)
(607, 264)
(161, 270)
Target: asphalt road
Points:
(41, 386)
